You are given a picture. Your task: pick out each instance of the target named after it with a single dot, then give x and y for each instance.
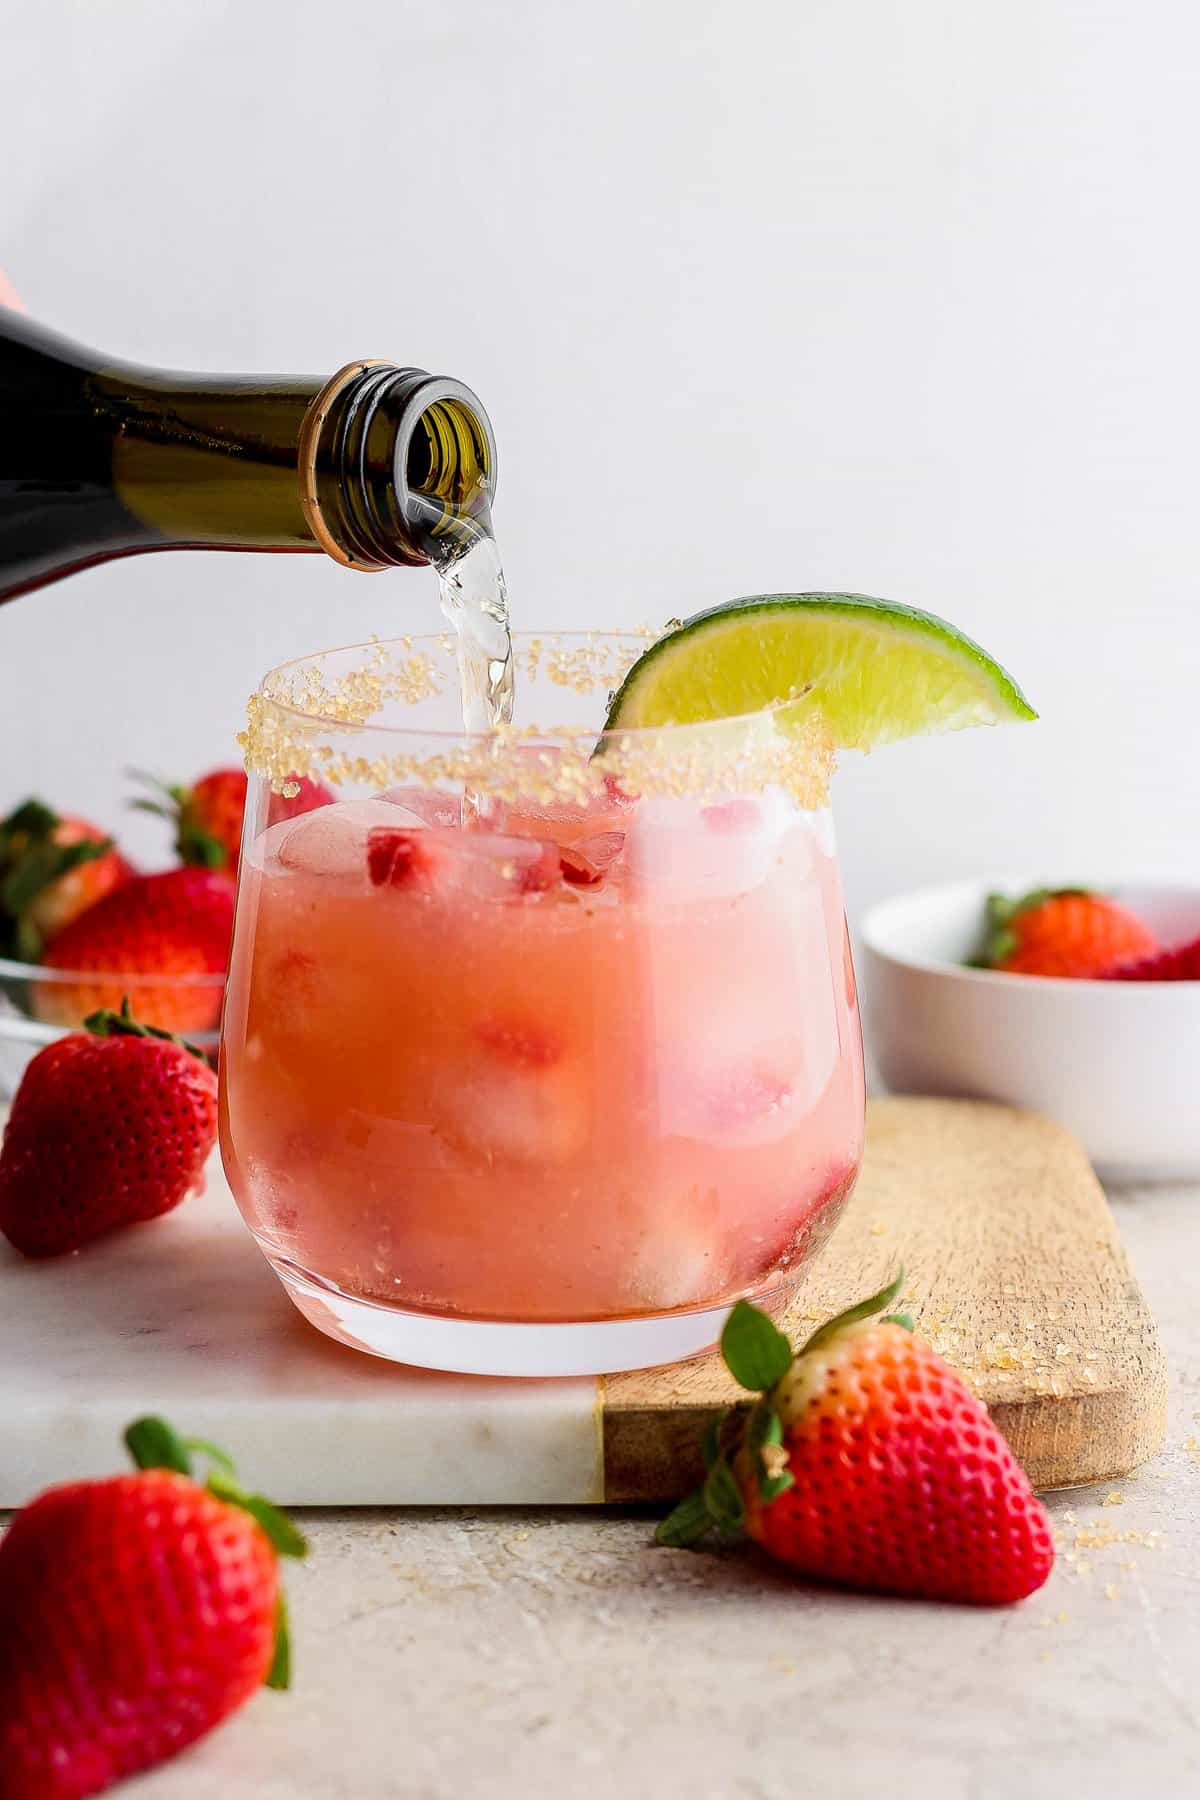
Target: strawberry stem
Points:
(852, 1314)
(106, 1023)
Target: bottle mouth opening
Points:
(445, 465)
(396, 466)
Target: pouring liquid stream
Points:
(475, 602)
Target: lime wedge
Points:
(879, 671)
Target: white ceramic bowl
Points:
(1116, 1062)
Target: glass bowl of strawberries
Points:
(81, 929)
(1079, 1001)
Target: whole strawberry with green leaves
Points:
(867, 1461)
(110, 1126)
(1070, 933)
(52, 869)
(136, 1614)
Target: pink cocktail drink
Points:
(542, 1065)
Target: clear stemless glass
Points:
(539, 1048)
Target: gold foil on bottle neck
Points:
(310, 440)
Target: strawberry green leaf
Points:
(686, 1524)
(153, 1444)
(276, 1525)
(756, 1354)
(279, 1675)
(32, 819)
(199, 848)
(904, 1320)
(213, 1451)
(852, 1314)
(723, 1498)
(771, 1486)
(43, 864)
(710, 1443)
(287, 1539)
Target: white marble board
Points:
(183, 1317)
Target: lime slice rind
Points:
(881, 671)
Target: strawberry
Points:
(481, 863)
(173, 925)
(109, 1126)
(135, 1614)
(867, 1461)
(1064, 932)
(1180, 964)
(207, 816)
(52, 868)
(401, 858)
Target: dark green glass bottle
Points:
(379, 466)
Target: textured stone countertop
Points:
(531, 1653)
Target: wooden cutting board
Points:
(1014, 1271)
(1015, 1274)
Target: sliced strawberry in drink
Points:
(538, 874)
(587, 863)
(400, 859)
(471, 864)
(577, 870)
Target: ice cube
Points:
(431, 806)
(684, 849)
(330, 842)
(518, 1112)
(560, 820)
(720, 1094)
(479, 865)
(678, 1261)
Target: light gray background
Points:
(782, 293)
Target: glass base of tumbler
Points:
(489, 1347)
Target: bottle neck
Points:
(395, 466)
(380, 467)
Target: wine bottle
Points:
(378, 466)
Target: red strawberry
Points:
(1064, 932)
(867, 1461)
(135, 1614)
(587, 863)
(208, 815)
(1180, 964)
(51, 869)
(108, 1127)
(174, 925)
(400, 858)
(471, 862)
